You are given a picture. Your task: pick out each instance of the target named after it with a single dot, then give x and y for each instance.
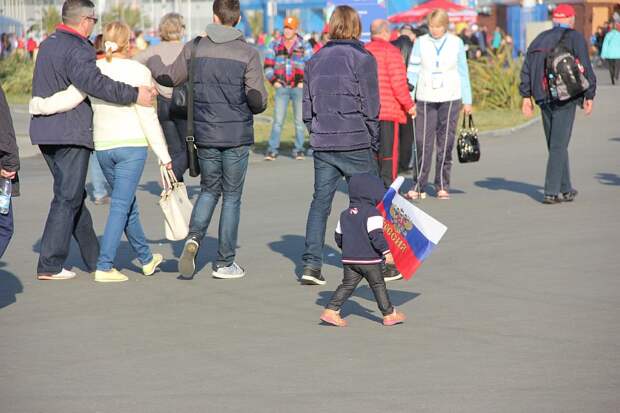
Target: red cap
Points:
(563, 11)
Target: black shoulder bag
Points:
(467, 144)
(192, 152)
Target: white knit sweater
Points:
(115, 126)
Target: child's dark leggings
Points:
(353, 274)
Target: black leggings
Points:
(353, 274)
(614, 69)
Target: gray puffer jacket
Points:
(229, 86)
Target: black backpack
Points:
(564, 73)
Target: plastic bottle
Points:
(5, 195)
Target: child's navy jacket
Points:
(360, 229)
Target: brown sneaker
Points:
(395, 318)
(333, 317)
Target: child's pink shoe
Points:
(333, 317)
(395, 318)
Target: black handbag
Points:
(467, 144)
(192, 152)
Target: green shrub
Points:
(495, 82)
(16, 75)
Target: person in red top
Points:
(395, 99)
(31, 46)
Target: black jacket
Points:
(533, 82)
(229, 86)
(9, 153)
(65, 58)
(360, 229)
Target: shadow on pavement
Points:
(608, 178)
(615, 139)
(154, 188)
(502, 184)
(10, 286)
(126, 256)
(292, 247)
(397, 297)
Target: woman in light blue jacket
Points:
(611, 50)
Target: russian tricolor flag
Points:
(410, 232)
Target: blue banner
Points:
(368, 10)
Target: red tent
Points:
(456, 12)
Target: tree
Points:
(130, 15)
(51, 19)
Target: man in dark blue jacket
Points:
(229, 88)
(9, 165)
(66, 139)
(558, 117)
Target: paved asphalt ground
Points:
(517, 310)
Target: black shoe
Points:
(271, 156)
(569, 196)
(299, 155)
(551, 199)
(187, 264)
(312, 276)
(390, 273)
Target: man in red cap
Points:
(557, 75)
(284, 68)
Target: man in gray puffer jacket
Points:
(229, 88)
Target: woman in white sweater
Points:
(121, 135)
(438, 70)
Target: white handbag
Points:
(175, 205)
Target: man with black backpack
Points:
(558, 76)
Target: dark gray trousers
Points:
(435, 122)
(558, 119)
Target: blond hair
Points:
(119, 33)
(171, 27)
(440, 17)
(345, 24)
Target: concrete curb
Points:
(508, 131)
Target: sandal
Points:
(415, 195)
(443, 194)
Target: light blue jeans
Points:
(96, 177)
(282, 97)
(122, 168)
(222, 172)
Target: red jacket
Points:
(393, 88)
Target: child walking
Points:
(359, 234)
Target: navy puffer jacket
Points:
(66, 58)
(341, 98)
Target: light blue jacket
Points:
(611, 45)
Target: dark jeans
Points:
(558, 119)
(353, 274)
(222, 173)
(6, 230)
(435, 123)
(405, 145)
(175, 131)
(329, 169)
(68, 214)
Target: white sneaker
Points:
(62, 275)
(230, 272)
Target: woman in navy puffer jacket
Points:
(341, 112)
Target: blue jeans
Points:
(558, 122)
(222, 173)
(123, 168)
(96, 177)
(329, 169)
(283, 95)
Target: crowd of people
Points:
(359, 102)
